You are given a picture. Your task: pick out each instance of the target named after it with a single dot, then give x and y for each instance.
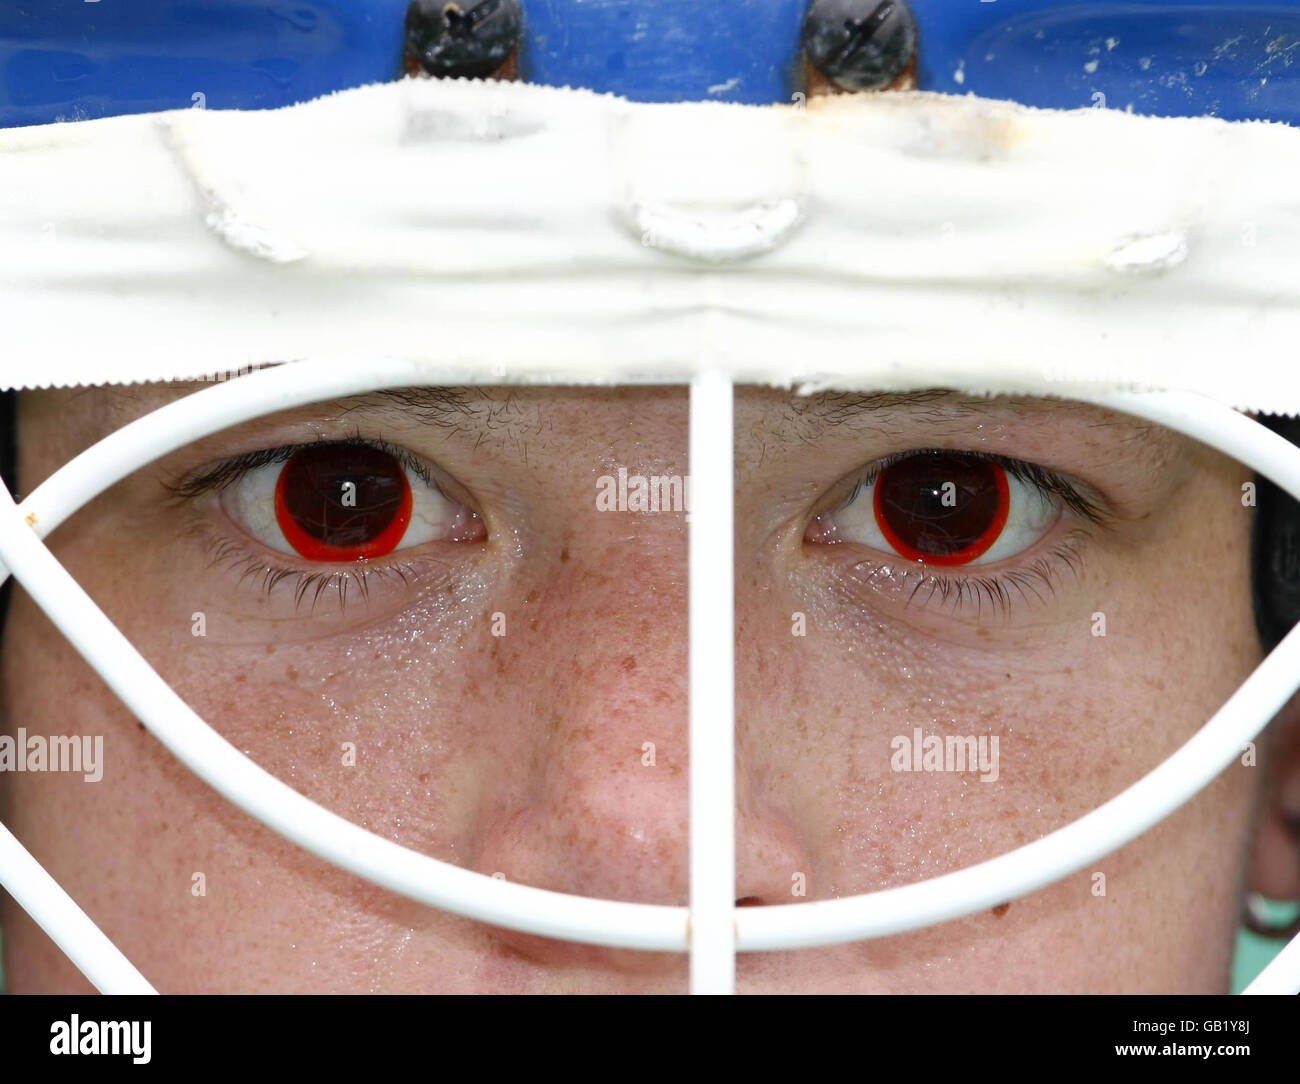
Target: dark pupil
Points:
(912, 500)
(316, 496)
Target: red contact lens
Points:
(942, 509)
(343, 502)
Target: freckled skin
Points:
(523, 753)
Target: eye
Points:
(345, 501)
(946, 508)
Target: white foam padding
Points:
(509, 231)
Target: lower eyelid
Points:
(304, 592)
(878, 582)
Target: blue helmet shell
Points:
(1231, 58)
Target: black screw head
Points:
(860, 44)
(470, 39)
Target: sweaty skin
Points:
(526, 753)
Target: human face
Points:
(500, 682)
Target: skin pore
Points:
(524, 753)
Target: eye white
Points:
(1031, 514)
(250, 502)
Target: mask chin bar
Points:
(711, 929)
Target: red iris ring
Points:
(972, 550)
(314, 549)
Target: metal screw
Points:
(472, 39)
(860, 44)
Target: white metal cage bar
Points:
(712, 688)
(712, 930)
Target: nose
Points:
(598, 804)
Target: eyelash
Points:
(959, 591)
(226, 551)
(229, 471)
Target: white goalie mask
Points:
(891, 243)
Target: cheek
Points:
(843, 730)
(373, 727)
(455, 732)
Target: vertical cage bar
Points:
(712, 676)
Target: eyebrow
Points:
(878, 410)
(481, 409)
(441, 407)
